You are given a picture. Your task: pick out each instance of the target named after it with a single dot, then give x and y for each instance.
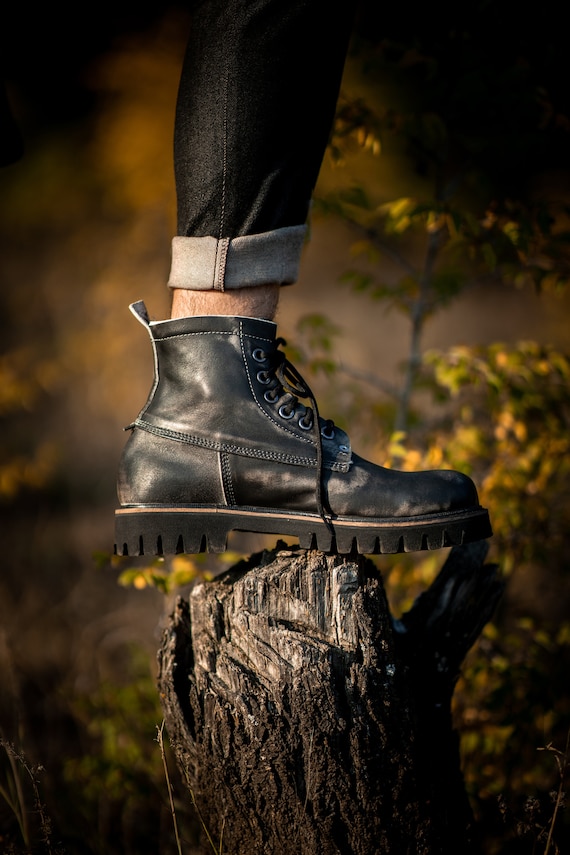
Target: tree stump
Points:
(306, 721)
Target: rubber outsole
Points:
(165, 530)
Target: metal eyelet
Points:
(259, 355)
(326, 435)
(263, 378)
(284, 414)
(344, 448)
(304, 425)
(271, 395)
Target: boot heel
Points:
(152, 533)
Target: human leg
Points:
(230, 437)
(257, 302)
(255, 106)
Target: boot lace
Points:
(284, 388)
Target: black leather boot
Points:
(224, 443)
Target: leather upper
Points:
(210, 391)
(219, 429)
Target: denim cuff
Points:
(212, 264)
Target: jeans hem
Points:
(223, 264)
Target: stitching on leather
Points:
(265, 413)
(337, 467)
(188, 334)
(212, 445)
(227, 484)
(210, 332)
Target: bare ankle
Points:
(255, 302)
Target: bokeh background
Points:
(451, 138)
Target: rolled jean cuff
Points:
(224, 264)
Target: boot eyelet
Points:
(284, 414)
(304, 425)
(259, 355)
(263, 378)
(327, 434)
(344, 448)
(271, 396)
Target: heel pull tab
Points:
(138, 309)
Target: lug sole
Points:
(165, 530)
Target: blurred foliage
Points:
(511, 426)
(466, 122)
(24, 377)
(108, 793)
(114, 719)
(449, 162)
(120, 772)
(20, 789)
(504, 416)
(166, 574)
(172, 575)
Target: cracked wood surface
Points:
(291, 712)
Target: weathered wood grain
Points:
(297, 714)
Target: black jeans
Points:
(255, 106)
(256, 102)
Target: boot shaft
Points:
(215, 388)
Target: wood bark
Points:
(306, 721)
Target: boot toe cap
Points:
(458, 489)
(369, 490)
